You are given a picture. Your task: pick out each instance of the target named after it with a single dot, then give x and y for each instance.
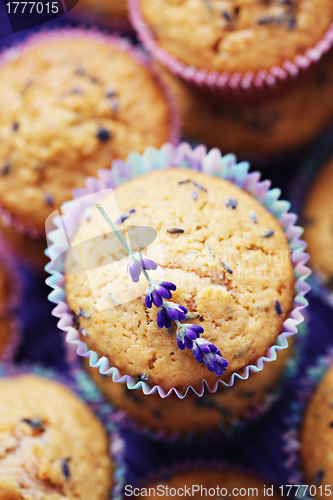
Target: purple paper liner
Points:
(213, 163)
(233, 85)
(291, 437)
(122, 44)
(289, 373)
(81, 385)
(9, 310)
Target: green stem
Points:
(122, 240)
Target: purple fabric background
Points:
(261, 446)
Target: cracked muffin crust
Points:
(317, 219)
(52, 447)
(237, 35)
(197, 413)
(70, 104)
(242, 309)
(317, 427)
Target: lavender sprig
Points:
(158, 293)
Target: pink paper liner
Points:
(233, 85)
(212, 163)
(81, 385)
(9, 310)
(291, 438)
(122, 44)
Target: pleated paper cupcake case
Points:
(288, 376)
(293, 421)
(213, 163)
(81, 385)
(123, 44)
(235, 85)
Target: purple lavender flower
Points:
(157, 291)
(170, 312)
(144, 262)
(207, 353)
(186, 334)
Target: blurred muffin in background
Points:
(6, 292)
(113, 9)
(52, 445)
(317, 221)
(282, 123)
(226, 483)
(315, 448)
(28, 250)
(71, 101)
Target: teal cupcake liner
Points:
(182, 156)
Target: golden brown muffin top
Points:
(318, 222)
(316, 437)
(69, 105)
(237, 35)
(51, 446)
(242, 309)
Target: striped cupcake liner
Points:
(212, 163)
(293, 421)
(94, 34)
(82, 386)
(237, 85)
(237, 425)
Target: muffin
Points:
(27, 249)
(316, 455)
(196, 414)
(317, 219)
(246, 36)
(6, 309)
(74, 464)
(273, 125)
(115, 9)
(226, 484)
(70, 102)
(226, 254)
